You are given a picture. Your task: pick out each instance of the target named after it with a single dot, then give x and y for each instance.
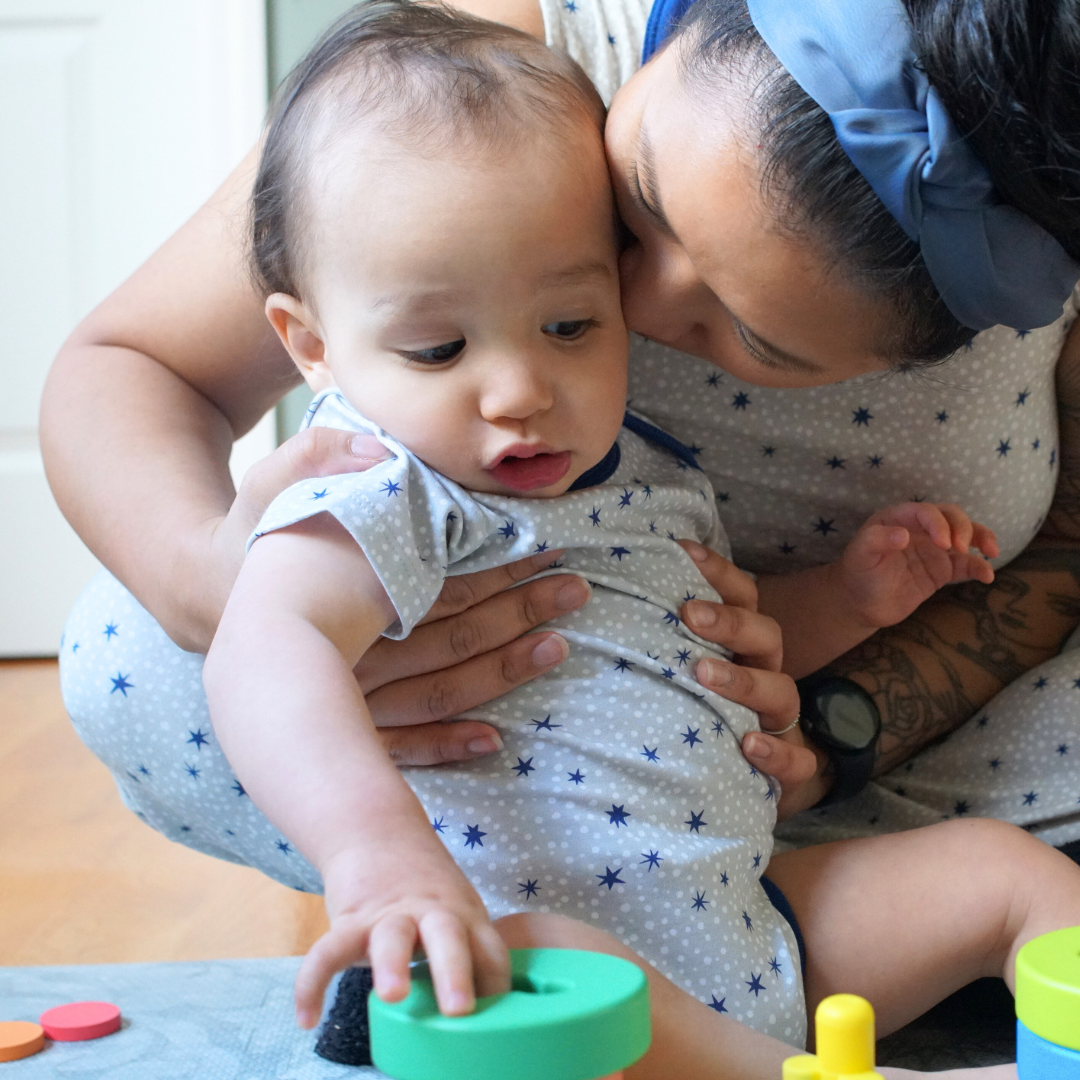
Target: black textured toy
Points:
(345, 1037)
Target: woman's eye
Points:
(569, 331)
(438, 354)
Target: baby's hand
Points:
(384, 906)
(905, 553)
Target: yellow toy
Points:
(844, 1026)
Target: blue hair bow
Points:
(990, 262)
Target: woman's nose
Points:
(661, 291)
(515, 390)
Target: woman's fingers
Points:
(437, 744)
(736, 587)
(317, 451)
(797, 767)
(755, 639)
(771, 694)
(468, 590)
(443, 694)
(474, 631)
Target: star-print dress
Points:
(797, 471)
(620, 798)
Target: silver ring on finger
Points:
(783, 731)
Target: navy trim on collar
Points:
(600, 472)
(604, 470)
(654, 435)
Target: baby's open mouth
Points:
(530, 473)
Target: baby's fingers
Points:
(449, 955)
(872, 543)
(985, 540)
(960, 526)
(491, 961)
(971, 567)
(333, 952)
(390, 949)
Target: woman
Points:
(765, 255)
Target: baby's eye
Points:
(569, 331)
(438, 354)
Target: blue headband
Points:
(990, 262)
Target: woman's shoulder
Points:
(604, 36)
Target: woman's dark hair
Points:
(1007, 71)
(424, 75)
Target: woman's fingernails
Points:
(715, 673)
(551, 651)
(573, 594)
(696, 552)
(700, 613)
(368, 447)
(760, 748)
(484, 744)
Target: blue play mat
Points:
(214, 1020)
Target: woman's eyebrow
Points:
(644, 180)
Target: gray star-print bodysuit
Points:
(620, 798)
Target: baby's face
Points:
(470, 308)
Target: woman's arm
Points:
(935, 670)
(147, 395)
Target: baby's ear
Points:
(302, 338)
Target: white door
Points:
(117, 119)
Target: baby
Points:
(435, 233)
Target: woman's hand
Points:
(754, 679)
(468, 650)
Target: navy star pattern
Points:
(473, 836)
(121, 683)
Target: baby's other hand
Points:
(905, 553)
(383, 908)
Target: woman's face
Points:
(710, 272)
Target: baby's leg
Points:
(689, 1040)
(904, 920)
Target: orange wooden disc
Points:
(19, 1039)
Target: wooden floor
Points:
(82, 880)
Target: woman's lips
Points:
(529, 473)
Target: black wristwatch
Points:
(839, 716)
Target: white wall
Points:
(117, 119)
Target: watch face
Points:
(849, 717)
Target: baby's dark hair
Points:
(430, 78)
(1008, 72)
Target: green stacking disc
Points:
(570, 1016)
(1048, 987)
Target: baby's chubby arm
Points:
(292, 722)
(898, 559)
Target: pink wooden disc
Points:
(80, 1020)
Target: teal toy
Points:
(1048, 1007)
(570, 1015)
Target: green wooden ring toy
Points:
(570, 1015)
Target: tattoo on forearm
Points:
(922, 672)
(916, 710)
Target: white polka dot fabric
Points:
(620, 798)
